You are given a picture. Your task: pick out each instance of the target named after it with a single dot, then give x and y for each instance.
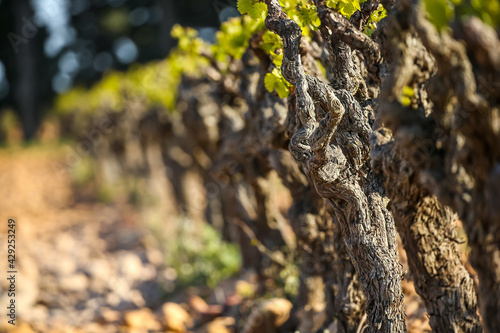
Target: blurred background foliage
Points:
(101, 51)
(49, 46)
(61, 58)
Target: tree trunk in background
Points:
(169, 18)
(27, 85)
(449, 134)
(27, 69)
(430, 239)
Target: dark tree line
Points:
(95, 26)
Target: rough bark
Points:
(339, 169)
(452, 141)
(322, 253)
(312, 224)
(425, 225)
(427, 229)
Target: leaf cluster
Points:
(156, 83)
(345, 7)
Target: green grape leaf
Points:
(282, 90)
(379, 14)
(274, 81)
(258, 11)
(439, 12)
(406, 101)
(307, 15)
(271, 42)
(345, 7)
(177, 31)
(270, 81)
(303, 15)
(350, 8)
(277, 59)
(374, 18)
(407, 95)
(331, 3)
(244, 6)
(487, 10)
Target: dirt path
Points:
(75, 261)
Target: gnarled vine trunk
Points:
(335, 155)
(324, 262)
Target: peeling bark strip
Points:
(335, 156)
